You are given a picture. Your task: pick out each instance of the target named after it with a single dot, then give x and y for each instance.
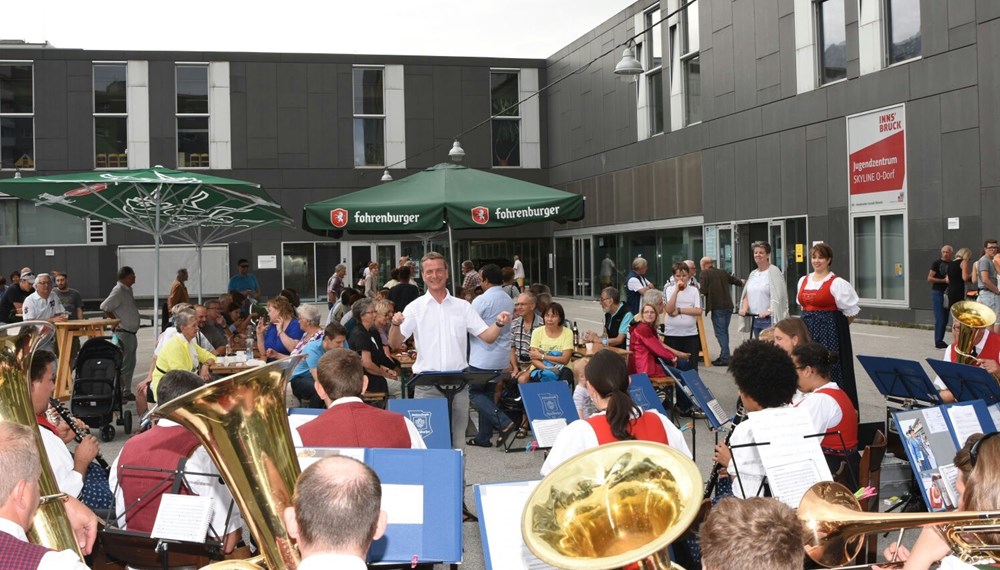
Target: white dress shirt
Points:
(298, 420)
(55, 560)
(747, 460)
(331, 561)
(440, 332)
(69, 481)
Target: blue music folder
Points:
(429, 416)
(967, 382)
(547, 405)
(714, 412)
(900, 378)
(643, 394)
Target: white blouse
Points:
(842, 291)
(823, 408)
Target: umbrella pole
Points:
(198, 245)
(156, 261)
(451, 261)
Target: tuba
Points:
(612, 506)
(242, 422)
(972, 317)
(18, 342)
(835, 526)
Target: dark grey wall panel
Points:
(933, 27)
(987, 10)
(624, 196)
(923, 149)
(723, 76)
(816, 175)
(925, 234)
(744, 54)
(745, 190)
(735, 127)
(769, 173)
(766, 27)
(723, 195)
(162, 114)
(959, 175)
(721, 13)
(960, 110)
(836, 165)
(951, 70)
(786, 40)
(793, 172)
(988, 65)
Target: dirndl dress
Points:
(828, 326)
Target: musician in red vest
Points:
(349, 422)
(20, 470)
(986, 347)
(164, 446)
(829, 406)
(618, 417)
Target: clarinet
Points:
(78, 431)
(713, 479)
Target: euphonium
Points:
(18, 342)
(612, 506)
(972, 317)
(242, 422)
(835, 526)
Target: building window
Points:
(832, 40)
(902, 30)
(192, 116)
(110, 115)
(690, 61)
(23, 223)
(17, 116)
(506, 124)
(369, 116)
(880, 257)
(651, 54)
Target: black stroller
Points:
(96, 387)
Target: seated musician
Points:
(752, 533)
(766, 378)
(618, 418)
(829, 407)
(74, 473)
(20, 471)
(986, 347)
(336, 514)
(349, 422)
(138, 492)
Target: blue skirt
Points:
(831, 329)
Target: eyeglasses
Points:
(46, 499)
(974, 451)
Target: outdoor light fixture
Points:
(456, 153)
(629, 66)
(17, 173)
(386, 177)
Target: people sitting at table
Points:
(618, 418)
(314, 344)
(277, 339)
(143, 471)
(365, 340)
(349, 422)
(182, 352)
(551, 345)
(829, 407)
(617, 319)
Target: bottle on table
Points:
(576, 335)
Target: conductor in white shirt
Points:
(336, 514)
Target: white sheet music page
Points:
(546, 431)
(184, 518)
(965, 421)
(792, 462)
(502, 506)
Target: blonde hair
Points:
(767, 335)
(283, 306)
(769, 536)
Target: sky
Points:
(513, 28)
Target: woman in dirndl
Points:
(829, 306)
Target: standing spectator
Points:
(393, 279)
(13, 298)
(987, 275)
(636, 284)
(938, 278)
(682, 310)
(715, 284)
(71, 299)
(405, 293)
(491, 356)
(470, 278)
(960, 285)
(371, 281)
(178, 290)
(509, 286)
(44, 305)
(335, 286)
(764, 292)
(120, 305)
(519, 272)
(829, 306)
(440, 325)
(608, 271)
(244, 281)
(692, 276)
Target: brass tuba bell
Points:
(242, 422)
(18, 342)
(611, 506)
(972, 317)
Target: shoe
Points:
(505, 434)
(940, 345)
(692, 413)
(720, 362)
(472, 441)
(128, 397)
(521, 433)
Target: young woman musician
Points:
(830, 407)
(791, 332)
(618, 418)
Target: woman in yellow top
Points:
(552, 344)
(182, 352)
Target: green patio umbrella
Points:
(191, 206)
(445, 196)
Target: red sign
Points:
(339, 217)
(84, 190)
(879, 167)
(481, 215)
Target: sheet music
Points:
(995, 415)
(950, 475)
(792, 462)
(790, 481)
(502, 505)
(184, 518)
(717, 411)
(965, 421)
(546, 431)
(934, 420)
(404, 504)
(309, 455)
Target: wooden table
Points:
(66, 331)
(581, 351)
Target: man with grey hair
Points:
(20, 471)
(120, 305)
(636, 284)
(210, 335)
(44, 305)
(336, 514)
(335, 285)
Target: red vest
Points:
(991, 350)
(19, 555)
(356, 424)
(848, 426)
(160, 448)
(647, 427)
(818, 299)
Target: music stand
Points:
(967, 382)
(898, 378)
(451, 382)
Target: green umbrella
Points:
(193, 206)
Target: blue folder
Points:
(900, 378)
(548, 401)
(643, 394)
(714, 412)
(967, 382)
(429, 416)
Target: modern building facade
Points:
(871, 125)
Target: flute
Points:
(713, 479)
(78, 432)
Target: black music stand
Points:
(967, 382)
(450, 383)
(898, 378)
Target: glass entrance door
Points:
(357, 256)
(583, 267)
(777, 240)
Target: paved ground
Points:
(491, 465)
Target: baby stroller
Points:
(96, 387)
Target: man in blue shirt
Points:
(304, 376)
(490, 356)
(244, 281)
